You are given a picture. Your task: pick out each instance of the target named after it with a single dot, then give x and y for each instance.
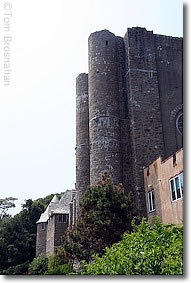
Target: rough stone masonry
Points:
(128, 108)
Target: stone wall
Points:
(41, 239)
(143, 105)
(126, 156)
(135, 106)
(50, 235)
(169, 64)
(60, 228)
(82, 136)
(104, 114)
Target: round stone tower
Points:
(82, 136)
(104, 116)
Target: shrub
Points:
(64, 269)
(19, 269)
(105, 214)
(39, 265)
(57, 265)
(148, 250)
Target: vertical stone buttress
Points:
(82, 136)
(126, 157)
(104, 114)
(144, 107)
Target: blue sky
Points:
(47, 52)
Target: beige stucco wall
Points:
(160, 172)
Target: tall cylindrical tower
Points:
(82, 136)
(104, 116)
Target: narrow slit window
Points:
(181, 183)
(173, 195)
(106, 43)
(174, 158)
(151, 201)
(43, 226)
(150, 75)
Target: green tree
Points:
(18, 236)
(105, 214)
(149, 250)
(5, 205)
(58, 265)
(39, 265)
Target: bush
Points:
(105, 214)
(57, 265)
(149, 250)
(19, 269)
(39, 265)
(64, 269)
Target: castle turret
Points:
(82, 136)
(104, 116)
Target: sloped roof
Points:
(66, 198)
(44, 216)
(57, 206)
(55, 199)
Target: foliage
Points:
(149, 250)
(20, 269)
(5, 204)
(39, 265)
(18, 235)
(64, 269)
(58, 263)
(51, 265)
(46, 200)
(105, 214)
(59, 269)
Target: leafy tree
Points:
(149, 250)
(39, 265)
(20, 269)
(5, 205)
(18, 236)
(105, 214)
(58, 265)
(46, 200)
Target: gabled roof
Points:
(55, 199)
(57, 206)
(44, 216)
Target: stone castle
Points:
(128, 108)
